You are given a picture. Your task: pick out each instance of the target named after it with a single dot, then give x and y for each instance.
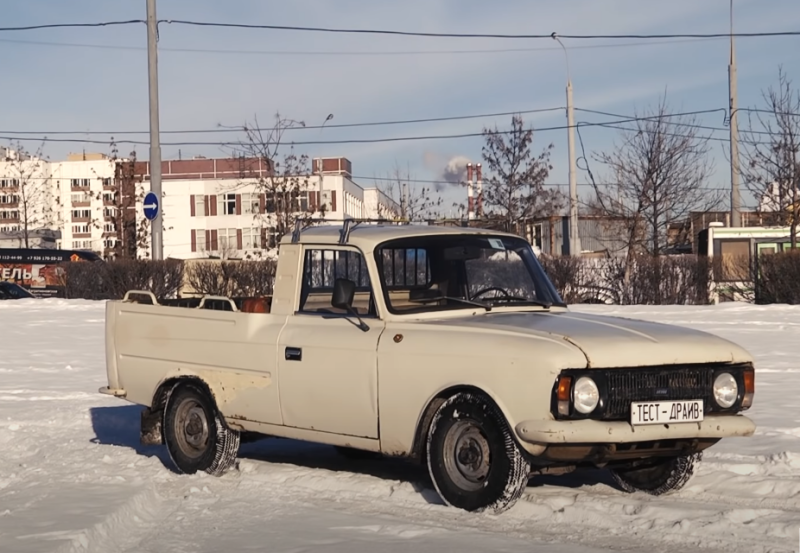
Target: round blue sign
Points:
(150, 206)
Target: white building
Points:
(210, 207)
(216, 208)
(37, 195)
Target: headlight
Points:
(725, 390)
(585, 395)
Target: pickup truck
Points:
(447, 346)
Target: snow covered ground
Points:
(73, 477)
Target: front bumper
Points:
(606, 432)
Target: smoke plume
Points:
(452, 170)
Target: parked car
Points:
(446, 346)
(11, 291)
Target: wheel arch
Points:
(426, 417)
(151, 432)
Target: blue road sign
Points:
(150, 206)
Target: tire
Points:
(356, 454)
(196, 437)
(664, 476)
(473, 459)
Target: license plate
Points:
(666, 412)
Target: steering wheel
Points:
(489, 289)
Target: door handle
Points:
(294, 354)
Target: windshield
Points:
(434, 273)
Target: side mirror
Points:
(344, 291)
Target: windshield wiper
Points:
(460, 300)
(510, 299)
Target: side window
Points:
(321, 268)
(406, 276)
(405, 268)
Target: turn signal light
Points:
(563, 394)
(749, 388)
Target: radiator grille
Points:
(625, 386)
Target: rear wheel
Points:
(196, 437)
(473, 459)
(662, 476)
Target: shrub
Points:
(778, 278)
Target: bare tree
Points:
(279, 177)
(411, 203)
(771, 145)
(515, 188)
(27, 192)
(655, 177)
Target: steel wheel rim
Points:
(467, 455)
(191, 428)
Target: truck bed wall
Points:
(233, 352)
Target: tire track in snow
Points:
(125, 527)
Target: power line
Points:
(357, 52)
(583, 124)
(320, 142)
(458, 184)
(469, 35)
(71, 25)
(305, 127)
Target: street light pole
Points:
(574, 236)
(155, 144)
(736, 200)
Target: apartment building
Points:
(221, 207)
(211, 207)
(66, 198)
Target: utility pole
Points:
(157, 225)
(736, 200)
(574, 236)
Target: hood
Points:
(610, 342)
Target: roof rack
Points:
(347, 226)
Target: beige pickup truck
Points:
(446, 346)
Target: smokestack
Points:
(479, 190)
(470, 201)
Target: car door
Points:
(328, 373)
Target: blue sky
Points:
(56, 87)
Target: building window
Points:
(251, 239)
(200, 206)
(227, 204)
(81, 213)
(109, 212)
(81, 244)
(81, 229)
(299, 201)
(251, 204)
(106, 182)
(226, 239)
(9, 183)
(9, 199)
(79, 183)
(109, 227)
(200, 240)
(110, 243)
(734, 260)
(110, 197)
(9, 215)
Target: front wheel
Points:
(196, 437)
(663, 476)
(473, 459)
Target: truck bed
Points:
(230, 344)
